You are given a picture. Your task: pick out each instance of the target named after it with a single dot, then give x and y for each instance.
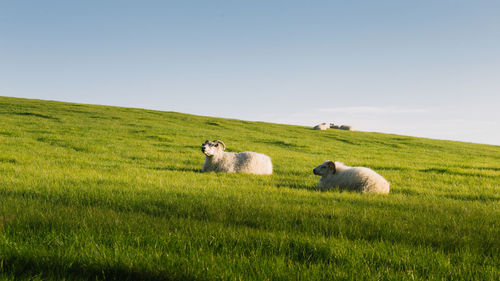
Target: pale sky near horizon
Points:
(420, 68)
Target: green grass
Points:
(106, 193)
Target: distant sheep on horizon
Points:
(324, 126)
(218, 160)
(333, 126)
(346, 127)
(321, 127)
(361, 179)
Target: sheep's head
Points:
(327, 167)
(210, 148)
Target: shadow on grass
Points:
(99, 117)
(485, 168)
(63, 144)
(9, 134)
(456, 173)
(388, 168)
(177, 169)
(405, 192)
(311, 187)
(472, 197)
(282, 144)
(8, 160)
(434, 170)
(35, 115)
(343, 140)
(217, 124)
(53, 268)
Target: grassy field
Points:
(107, 193)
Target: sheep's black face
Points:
(316, 171)
(209, 148)
(320, 170)
(325, 168)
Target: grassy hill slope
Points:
(109, 193)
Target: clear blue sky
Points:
(421, 68)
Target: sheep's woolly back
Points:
(359, 179)
(243, 162)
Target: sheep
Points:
(333, 126)
(359, 179)
(218, 160)
(321, 126)
(346, 127)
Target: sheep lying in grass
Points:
(350, 178)
(321, 126)
(218, 160)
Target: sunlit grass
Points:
(106, 193)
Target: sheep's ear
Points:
(331, 166)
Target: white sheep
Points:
(218, 160)
(336, 174)
(321, 126)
